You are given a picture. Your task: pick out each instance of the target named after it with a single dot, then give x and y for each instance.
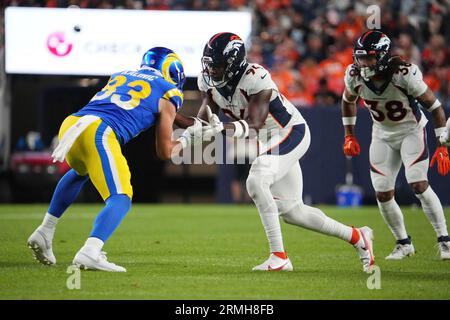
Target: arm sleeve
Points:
(351, 80)
(175, 96)
(415, 84)
(258, 80)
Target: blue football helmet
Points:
(167, 63)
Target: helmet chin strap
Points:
(209, 80)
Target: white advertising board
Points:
(100, 42)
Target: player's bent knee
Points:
(291, 211)
(122, 201)
(256, 184)
(419, 187)
(305, 216)
(385, 196)
(288, 217)
(285, 206)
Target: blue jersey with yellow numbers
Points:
(129, 101)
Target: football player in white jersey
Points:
(391, 89)
(246, 93)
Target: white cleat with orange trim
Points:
(364, 247)
(275, 263)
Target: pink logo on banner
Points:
(58, 45)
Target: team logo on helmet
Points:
(172, 68)
(227, 50)
(383, 44)
(167, 63)
(232, 45)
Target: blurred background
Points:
(306, 45)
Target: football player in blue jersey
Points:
(131, 102)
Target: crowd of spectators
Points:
(307, 44)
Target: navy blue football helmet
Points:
(372, 43)
(225, 50)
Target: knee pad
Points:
(417, 172)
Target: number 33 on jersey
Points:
(129, 101)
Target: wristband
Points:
(348, 121)
(439, 131)
(435, 105)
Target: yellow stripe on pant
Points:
(97, 152)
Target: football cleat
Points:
(444, 249)
(403, 248)
(89, 261)
(364, 247)
(401, 251)
(41, 245)
(275, 263)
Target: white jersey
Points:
(233, 100)
(393, 107)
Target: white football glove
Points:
(214, 126)
(444, 138)
(192, 135)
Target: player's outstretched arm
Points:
(182, 121)
(164, 144)
(429, 101)
(185, 122)
(348, 108)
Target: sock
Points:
(336, 229)
(258, 187)
(404, 241)
(443, 239)
(272, 227)
(315, 219)
(48, 225)
(433, 210)
(355, 236)
(281, 255)
(66, 192)
(394, 218)
(92, 246)
(49, 221)
(110, 217)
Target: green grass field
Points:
(207, 252)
